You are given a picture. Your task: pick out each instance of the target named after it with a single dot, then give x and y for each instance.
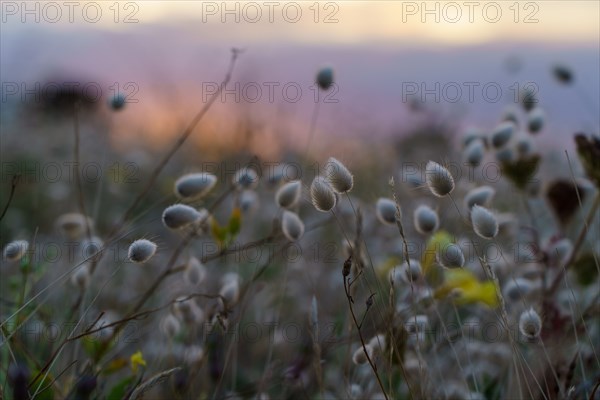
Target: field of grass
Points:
(436, 265)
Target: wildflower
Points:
(439, 240)
(92, 248)
(563, 74)
(137, 360)
(170, 326)
(502, 134)
(377, 342)
(73, 225)
(179, 216)
(81, 276)
(288, 195)
(15, 250)
(464, 285)
(528, 99)
(516, 289)
(451, 256)
(535, 120)
(292, 226)
(416, 324)
(588, 150)
(510, 114)
(338, 176)
(472, 135)
(405, 273)
(322, 195)
(506, 155)
(530, 324)
(195, 271)
(118, 101)
(524, 147)
(386, 210)
(325, 78)
(438, 179)
(194, 186)
(230, 290)
(204, 221)
(559, 251)
(360, 356)
(141, 251)
(484, 222)
(187, 310)
(474, 152)
(248, 201)
(426, 220)
(480, 196)
(194, 355)
(245, 178)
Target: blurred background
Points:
(467, 61)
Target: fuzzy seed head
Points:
(195, 271)
(179, 216)
(230, 292)
(386, 210)
(194, 355)
(245, 178)
(292, 226)
(404, 274)
(530, 324)
(194, 186)
(510, 114)
(322, 194)
(359, 357)
(378, 343)
(141, 251)
(417, 323)
(535, 120)
(480, 196)
(117, 102)
(248, 201)
(287, 195)
(517, 289)
(92, 248)
(438, 179)
(506, 155)
(338, 176)
(81, 276)
(563, 74)
(560, 251)
(484, 222)
(451, 256)
(502, 134)
(426, 220)
(15, 250)
(325, 78)
(73, 225)
(472, 135)
(187, 310)
(170, 326)
(474, 152)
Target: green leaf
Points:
(521, 171)
(235, 222)
(120, 389)
(43, 394)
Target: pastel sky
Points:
(169, 49)
(342, 22)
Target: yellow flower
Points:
(467, 288)
(136, 360)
